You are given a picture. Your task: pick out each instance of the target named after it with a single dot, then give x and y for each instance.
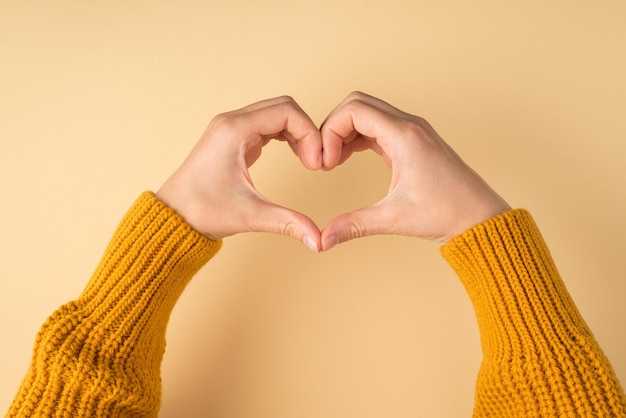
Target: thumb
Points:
(362, 222)
(269, 217)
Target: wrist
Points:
(177, 199)
(478, 214)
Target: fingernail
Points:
(310, 242)
(330, 242)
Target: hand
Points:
(213, 191)
(433, 194)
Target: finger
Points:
(375, 102)
(353, 121)
(355, 103)
(363, 222)
(269, 217)
(362, 144)
(284, 119)
(308, 148)
(264, 103)
(380, 104)
(333, 147)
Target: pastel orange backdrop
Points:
(102, 100)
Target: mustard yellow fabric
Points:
(100, 355)
(539, 357)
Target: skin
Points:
(212, 189)
(433, 194)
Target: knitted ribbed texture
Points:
(100, 355)
(539, 357)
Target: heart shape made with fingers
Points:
(321, 195)
(432, 194)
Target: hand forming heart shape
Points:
(433, 194)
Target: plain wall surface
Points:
(102, 100)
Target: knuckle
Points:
(422, 134)
(357, 229)
(422, 123)
(356, 95)
(413, 128)
(354, 104)
(287, 228)
(224, 122)
(290, 105)
(356, 100)
(420, 131)
(285, 98)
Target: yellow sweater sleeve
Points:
(100, 355)
(539, 357)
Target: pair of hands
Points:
(433, 194)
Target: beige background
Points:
(99, 102)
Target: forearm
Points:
(540, 358)
(100, 355)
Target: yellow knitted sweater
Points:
(100, 355)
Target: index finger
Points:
(282, 118)
(354, 121)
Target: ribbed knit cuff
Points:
(510, 277)
(151, 243)
(539, 356)
(100, 355)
